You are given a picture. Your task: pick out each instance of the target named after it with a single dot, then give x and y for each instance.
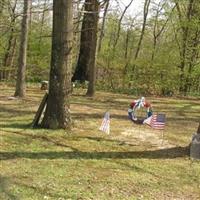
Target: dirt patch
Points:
(149, 137)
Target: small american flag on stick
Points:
(156, 121)
(105, 125)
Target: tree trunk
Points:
(79, 8)
(103, 25)
(81, 71)
(20, 89)
(8, 57)
(145, 14)
(119, 25)
(198, 130)
(2, 6)
(146, 10)
(185, 27)
(193, 46)
(42, 25)
(11, 72)
(93, 21)
(57, 113)
(88, 37)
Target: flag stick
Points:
(162, 137)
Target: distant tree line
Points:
(156, 52)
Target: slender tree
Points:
(57, 113)
(198, 130)
(119, 24)
(42, 24)
(145, 14)
(20, 89)
(10, 50)
(159, 28)
(101, 35)
(2, 6)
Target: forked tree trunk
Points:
(57, 113)
(20, 89)
(119, 25)
(146, 10)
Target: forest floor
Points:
(132, 162)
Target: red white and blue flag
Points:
(156, 121)
(105, 125)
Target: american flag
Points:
(156, 121)
(105, 125)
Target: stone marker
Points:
(195, 145)
(44, 85)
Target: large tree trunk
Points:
(81, 71)
(88, 37)
(20, 89)
(57, 114)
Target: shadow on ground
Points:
(168, 153)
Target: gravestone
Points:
(195, 145)
(44, 85)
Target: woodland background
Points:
(154, 52)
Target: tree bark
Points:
(81, 70)
(57, 113)
(88, 36)
(93, 21)
(20, 89)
